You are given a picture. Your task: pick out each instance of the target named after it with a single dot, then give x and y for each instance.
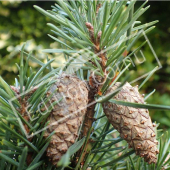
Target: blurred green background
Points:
(20, 22)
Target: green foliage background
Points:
(20, 22)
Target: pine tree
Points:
(40, 129)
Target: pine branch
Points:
(17, 123)
(96, 38)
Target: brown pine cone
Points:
(71, 110)
(133, 124)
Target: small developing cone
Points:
(66, 116)
(133, 124)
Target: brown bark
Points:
(90, 113)
(94, 87)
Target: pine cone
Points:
(71, 110)
(133, 124)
